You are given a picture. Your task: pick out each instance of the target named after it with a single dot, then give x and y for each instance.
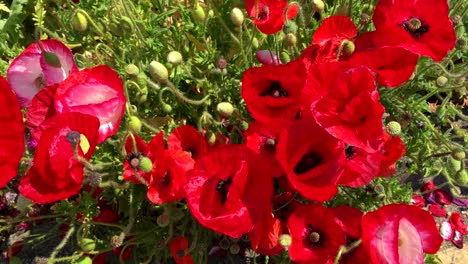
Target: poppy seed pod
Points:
(225, 109)
(174, 58)
(134, 124)
(237, 17)
(393, 128)
(198, 14)
(146, 165)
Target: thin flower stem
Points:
(223, 24)
(91, 20)
(338, 256)
(61, 245)
(182, 97)
(150, 127)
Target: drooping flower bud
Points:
(132, 70)
(290, 27)
(158, 71)
(134, 124)
(290, 40)
(126, 24)
(52, 59)
(318, 6)
(174, 57)
(441, 81)
(237, 17)
(225, 109)
(198, 14)
(87, 245)
(458, 154)
(79, 22)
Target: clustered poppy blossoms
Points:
(317, 126)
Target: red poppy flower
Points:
(457, 221)
(56, 174)
(264, 238)
(179, 250)
(41, 108)
(188, 139)
(270, 15)
(274, 93)
(316, 237)
(135, 150)
(97, 92)
(420, 26)
(400, 233)
(262, 139)
(12, 138)
(312, 164)
(361, 167)
(227, 191)
(345, 102)
(30, 72)
(391, 151)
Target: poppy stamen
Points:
(415, 27)
(275, 90)
(223, 188)
(308, 162)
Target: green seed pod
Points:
(441, 81)
(461, 178)
(290, 27)
(126, 24)
(87, 245)
(198, 14)
(174, 58)
(52, 59)
(79, 22)
(210, 138)
(134, 124)
(285, 240)
(458, 154)
(225, 109)
(348, 48)
(290, 40)
(132, 70)
(255, 43)
(284, 56)
(167, 108)
(237, 17)
(158, 71)
(146, 164)
(393, 128)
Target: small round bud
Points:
(318, 6)
(224, 243)
(116, 241)
(234, 249)
(244, 126)
(73, 137)
(210, 138)
(163, 220)
(134, 124)
(132, 70)
(441, 81)
(284, 56)
(364, 18)
(237, 17)
(290, 27)
(460, 43)
(347, 48)
(167, 108)
(458, 154)
(158, 71)
(174, 57)
(285, 240)
(255, 43)
(290, 40)
(79, 22)
(461, 178)
(87, 245)
(221, 63)
(52, 59)
(225, 109)
(393, 128)
(198, 14)
(378, 188)
(146, 164)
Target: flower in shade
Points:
(400, 233)
(11, 134)
(316, 237)
(56, 173)
(274, 92)
(179, 250)
(188, 139)
(312, 163)
(227, 190)
(420, 26)
(270, 15)
(98, 92)
(41, 108)
(30, 72)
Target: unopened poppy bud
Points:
(244, 126)
(116, 241)
(285, 240)
(290, 27)
(146, 164)
(237, 17)
(79, 22)
(461, 178)
(73, 137)
(167, 108)
(87, 245)
(255, 43)
(225, 109)
(347, 47)
(52, 59)
(174, 57)
(458, 154)
(393, 128)
(210, 138)
(364, 18)
(284, 56)
(126, 24)
(198, 14)
(318, 6)
(224, 243)
(134, 124)
(132, 70)
(290, 40)
(158, 71)
(441, 81)
(234, 249)
(163, 220)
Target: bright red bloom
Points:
(264, 238)
(316, 237)
(361, 167)
(179, 250)
(41, 108)
(29, 72)
(390, 152)
(56, 174)
(274, 92)
(227, 190)
(97, 92)
(312, 164)
(400, 233)
(345, 102)
(136, 150)
(188, 139)
(269, 15)
(11, 134)
(420, 26)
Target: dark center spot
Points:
(166, 179)
(133, 159)
(191, 151)
(180, 253)
(312, 235)
(275, 90)
(270, 144)
(308, 162)
(363, 119)
(223, 188)
(263, 15)
(415, 27)
(349, 151)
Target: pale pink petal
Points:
(409, 244)
(267, 57)
(446, 230)
(53, 74)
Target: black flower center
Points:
(275, 90)
(223, 188)
(166, 179)
(133, 159)
(349, 151)
(415, 26)
(270, 144)
(191, 151)
(313, 236)
(308, 162)
(263, 14)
